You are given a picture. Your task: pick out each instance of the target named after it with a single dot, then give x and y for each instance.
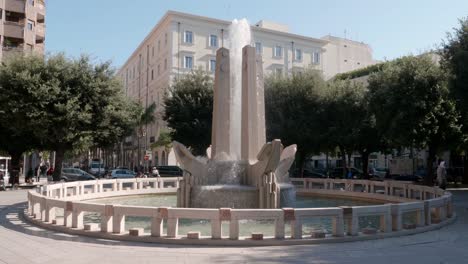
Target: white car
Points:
(122, 174)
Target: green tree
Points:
(189, 110)
(294, 112)
(455, 60)
(145, 117)
(345, 112)
(63, 104)
(411, 102)
(164, 140)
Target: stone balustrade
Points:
(431, 206)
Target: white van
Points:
(97, 169)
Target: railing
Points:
(431, 205)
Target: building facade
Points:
(22, 27)
(182, 42)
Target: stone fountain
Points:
(242, 170)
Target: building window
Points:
(31, 2)
(298, 55)
(213, 41)
(30, 25)
(188, 62)
(278, 51)
(188, 37)
(212, 65)
(152, 74)
(316, 58)
(165, 39)
(159, 45)
(165, 64)
(152, 51)
(258, 48)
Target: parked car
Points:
(170, 171)
(338, 173)
(308, 173)
(378, 173)
(72, 174)
(414, 178)
(122, 174)
(97, 169)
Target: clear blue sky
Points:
(112, 29)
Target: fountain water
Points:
(242, 170)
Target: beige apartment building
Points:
(22, 26)
(181, 42)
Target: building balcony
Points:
(41, 10)
(17, 6)
(40, 31)
(13, 29)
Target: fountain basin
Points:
(228, 195)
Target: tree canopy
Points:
(410, 100)
(63, 104)
(189, 110)
(294, 112)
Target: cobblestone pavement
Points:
(22, 243)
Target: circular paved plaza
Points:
(21, 242)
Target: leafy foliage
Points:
(188, 111)
(360, 72)
(164, 140)
(63, 104)
(412, 106)
(294, 112)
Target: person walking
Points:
(442, 175)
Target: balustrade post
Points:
(216, 231)
(49, 213)
(397, 215)
(77, 218)
(157, 221)
(296, 228)
(107, 218)
(420, 220)
(279, 227)
(95, 186)
(118, 222)
(234, 229)
(43, 208)
(172, 226)
(427, 212)
(67, 214)
(338, 226)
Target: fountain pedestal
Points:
(257, 177)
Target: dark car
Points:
(339, 172)
(72, 174)
(413, 178)
(170, 171)
(308, 173)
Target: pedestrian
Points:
(43, 171)
(442, 175)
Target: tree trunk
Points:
(343, 159)
(326, 161)
(429, 180)
(59, 155)
(365, 163)
(300, 163)
(465, 168)
(15, 167)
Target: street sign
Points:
(148, 155)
